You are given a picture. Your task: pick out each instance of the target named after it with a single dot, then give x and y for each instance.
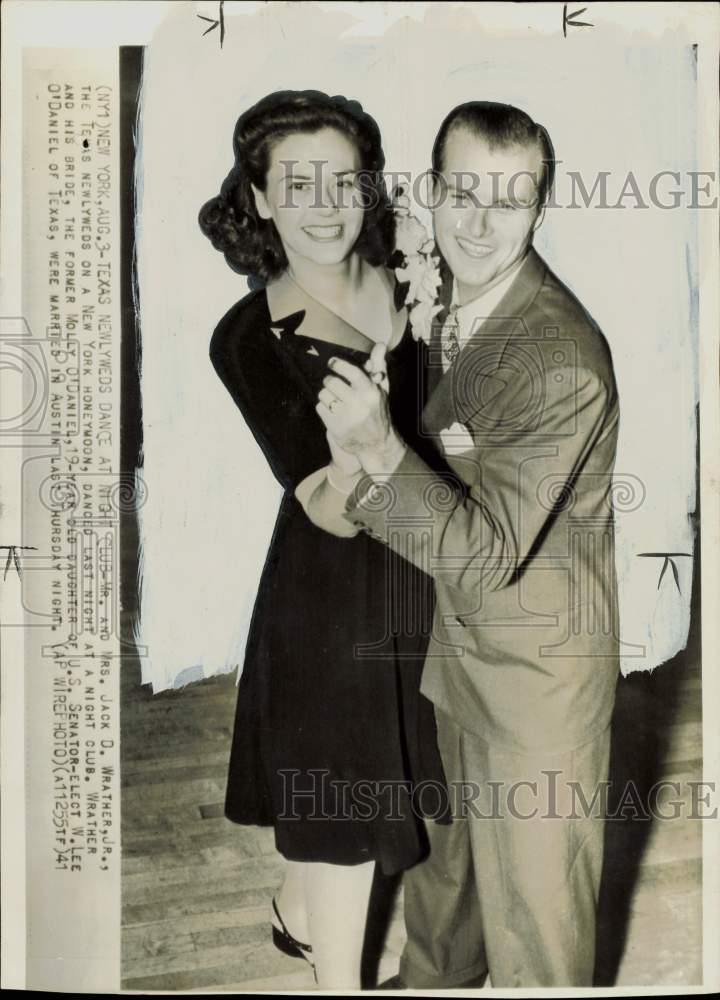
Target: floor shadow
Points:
(646, 706)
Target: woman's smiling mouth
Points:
(324, 234)
(475, 250)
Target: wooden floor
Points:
(197, 888)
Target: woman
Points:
(331, 733)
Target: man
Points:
(523, 660)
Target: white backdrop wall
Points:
(614, 101)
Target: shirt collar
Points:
(472, 315)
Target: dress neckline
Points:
(291, 306)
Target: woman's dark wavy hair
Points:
(251, 245)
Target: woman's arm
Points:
(323, 496)
(282, 419)
(324, 493)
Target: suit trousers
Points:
(510, 887)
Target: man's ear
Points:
(263, 209)
(539, 220)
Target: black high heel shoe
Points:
(289, 945)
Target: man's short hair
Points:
(500, 125)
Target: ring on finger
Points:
(328, 398)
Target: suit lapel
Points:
(506, 318)
(458, 393)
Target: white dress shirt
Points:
(470, 317)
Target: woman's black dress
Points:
(331, 732)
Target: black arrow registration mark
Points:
(569, 19)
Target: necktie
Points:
(449, 342)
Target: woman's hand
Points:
(354, 409)
(356, 413)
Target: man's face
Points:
(487, 209)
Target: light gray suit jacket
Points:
(518, 533)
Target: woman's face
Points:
(311, 194)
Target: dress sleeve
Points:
(274, 403)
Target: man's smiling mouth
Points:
(475, 250)
(324, 234)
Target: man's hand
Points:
(354, 409)
(343, 461)
(376, 367)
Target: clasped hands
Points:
(353, 406)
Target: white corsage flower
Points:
(411, 236)
(456, 439)
(422, 315)
(420, 270)
(424, 278)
